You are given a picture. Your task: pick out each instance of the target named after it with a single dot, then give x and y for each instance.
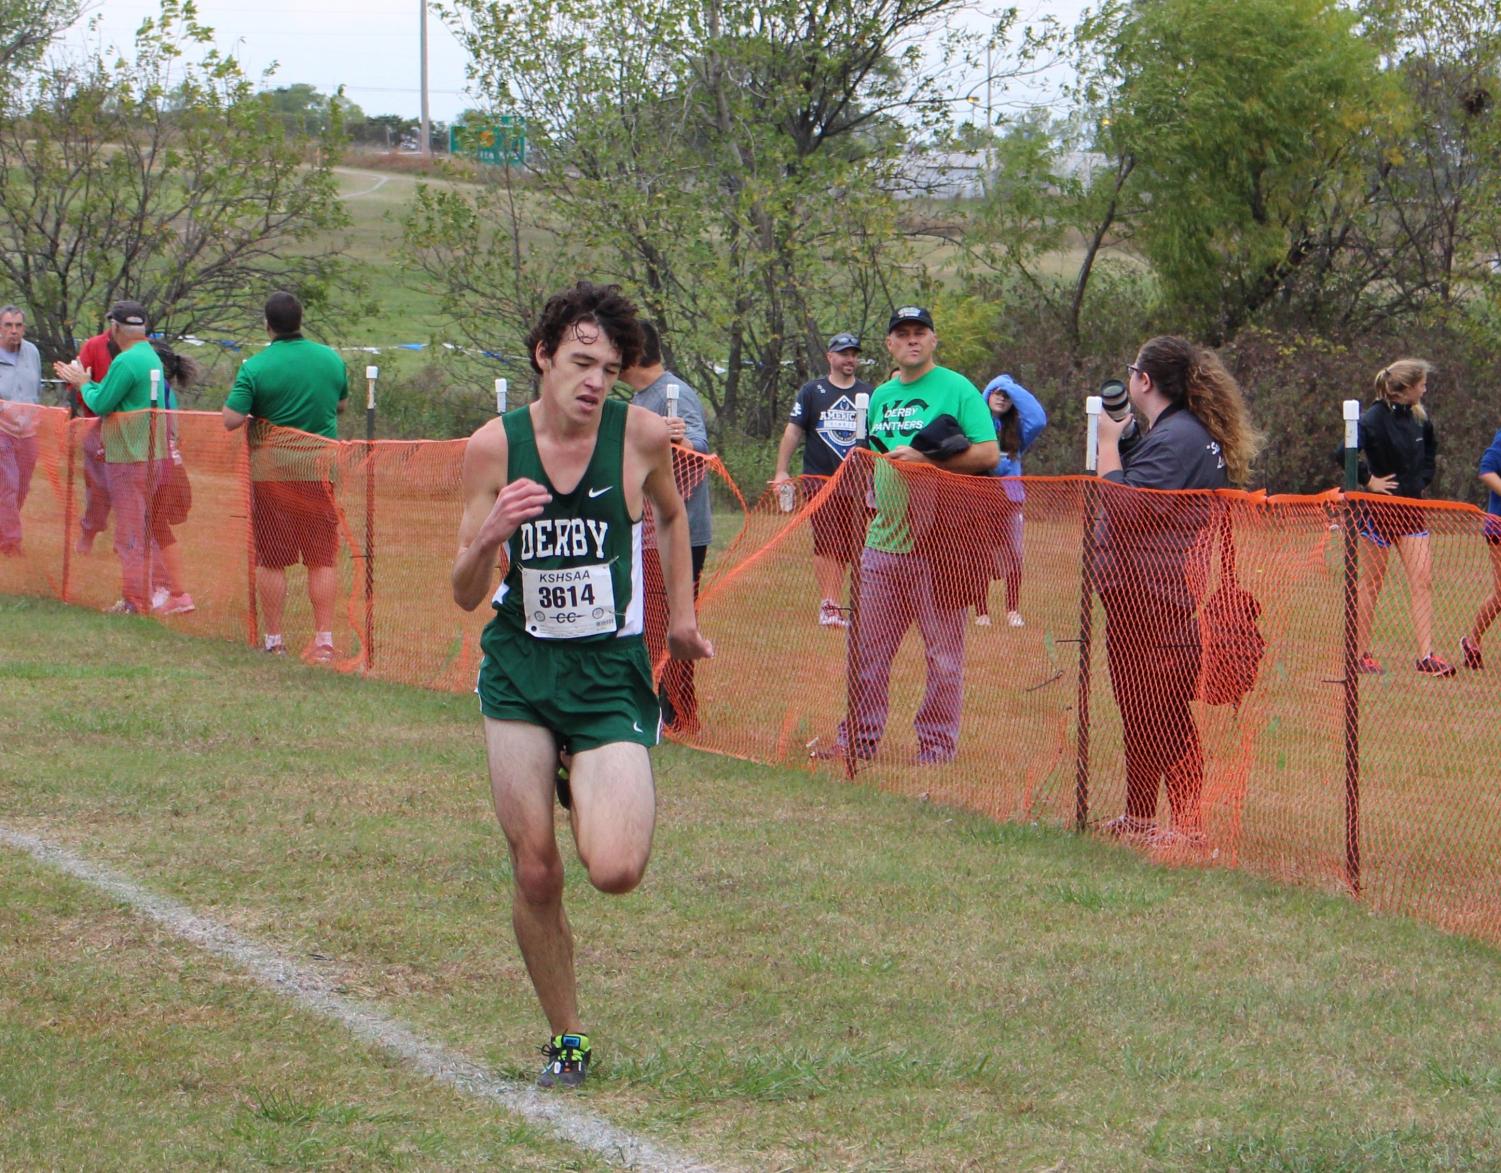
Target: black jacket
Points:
(1394, 442)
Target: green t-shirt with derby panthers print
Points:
(898, 411)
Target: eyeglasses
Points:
(1132, 369)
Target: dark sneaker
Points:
(837, 752)
(1435, 665)
(567, 1061)
(1369, 664)
(1473, 658)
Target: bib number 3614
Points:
(568, 604)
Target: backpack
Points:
(1233, 643)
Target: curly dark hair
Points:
(1194, 377)
(602, 305)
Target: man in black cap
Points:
(135, 448)
(925, 415)
(824, 414)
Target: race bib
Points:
(568, 604)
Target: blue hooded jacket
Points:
(1031, 416)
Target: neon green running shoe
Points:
(567, 1061)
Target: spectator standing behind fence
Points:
(1398, 456)
(135, 444)
(1019, 419)
(20, 393)
(942, 412)
(1490, 477)
(170, 499)
(301, 384)
(95, 356)
(1199, 436)
(823, 417)
(649, 379)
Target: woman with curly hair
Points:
(1149, 552)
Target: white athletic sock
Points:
(324, 638)
(273, 641)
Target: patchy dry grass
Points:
(813, 975)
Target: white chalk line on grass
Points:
(552, 1112)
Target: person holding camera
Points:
(1148, 553)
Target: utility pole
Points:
(989, 121)
(427, 126)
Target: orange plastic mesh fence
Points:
(1193, 642)
(383, 515)
(1178, 677)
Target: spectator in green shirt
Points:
(300, 384)
(135, 444)
(901, 584)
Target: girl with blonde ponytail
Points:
(1398, 458)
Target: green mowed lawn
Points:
(813, 975)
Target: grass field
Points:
(813, 976)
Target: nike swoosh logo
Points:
(601, 493)
(637, 726)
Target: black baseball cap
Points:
(909, 313)
(844, 342)
(127, 313)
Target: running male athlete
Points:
(557, 487)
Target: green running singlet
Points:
(565, 648)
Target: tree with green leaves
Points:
(307, 112)
(732, 164)
(1244, 119)
(27, 27)
(1427, 235)
(165, 179)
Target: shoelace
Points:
(570, 1056)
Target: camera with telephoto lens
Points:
(1117, 404)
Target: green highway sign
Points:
(502, 144)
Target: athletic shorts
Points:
(837, 529)
(294, 521)
(1382, 524)
(589, 694)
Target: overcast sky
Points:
(368, 46)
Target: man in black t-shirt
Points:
(824, 416)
